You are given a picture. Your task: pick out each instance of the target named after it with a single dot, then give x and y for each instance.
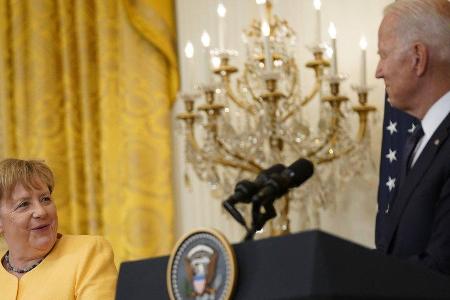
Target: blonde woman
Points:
(40, 263)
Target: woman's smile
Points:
(41, 228)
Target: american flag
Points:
(397, 126)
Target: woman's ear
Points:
(420, 59)
(1, 219)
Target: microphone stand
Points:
(259, 217)
(231, 209)
(262, 211)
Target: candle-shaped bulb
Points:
(261, 8)
(265, 28)
(332, 30)
(363, 43)
(205, 39)
(215, 61)
(318, 35)
(189, 50)
(317, 4)
(189, 53)
(244, 38)
(221, 10)
(328, 51)
(206, 57)
(332, 33)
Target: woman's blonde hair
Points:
(25, 172)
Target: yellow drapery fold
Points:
(87, 86)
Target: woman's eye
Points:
(22, 204)
(46, 199)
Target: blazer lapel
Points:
(410, 182)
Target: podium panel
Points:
(309, 265)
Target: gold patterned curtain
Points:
(87, 86)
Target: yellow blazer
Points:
(78, 267)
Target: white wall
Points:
(354, 214)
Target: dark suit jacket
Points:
(417, 226)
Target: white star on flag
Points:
(392, 155)
(413, 127)
(392, 127)
(391, 183)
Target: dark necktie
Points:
(410, 145)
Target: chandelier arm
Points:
(322, 160)
(330, 136)
(313, 93)
(305, 100)
(362, 129)
(235, 165)
(219, 160)
(212, 117)
(193, 141)
(335, 102)
(256, 167)
(252, 93)
(294, 83)
(230, 94)
(363, 113)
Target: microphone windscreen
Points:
(265, 174)
(300, 171)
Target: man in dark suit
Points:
(414, 49)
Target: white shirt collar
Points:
(433, 118)
(436, 114)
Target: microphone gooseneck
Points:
(245, 189)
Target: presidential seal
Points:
(202, 266)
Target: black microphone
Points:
(280, 183)
(245, 189)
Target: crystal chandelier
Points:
(236, 125)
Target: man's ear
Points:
(420, 59)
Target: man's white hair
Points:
(425, 21)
